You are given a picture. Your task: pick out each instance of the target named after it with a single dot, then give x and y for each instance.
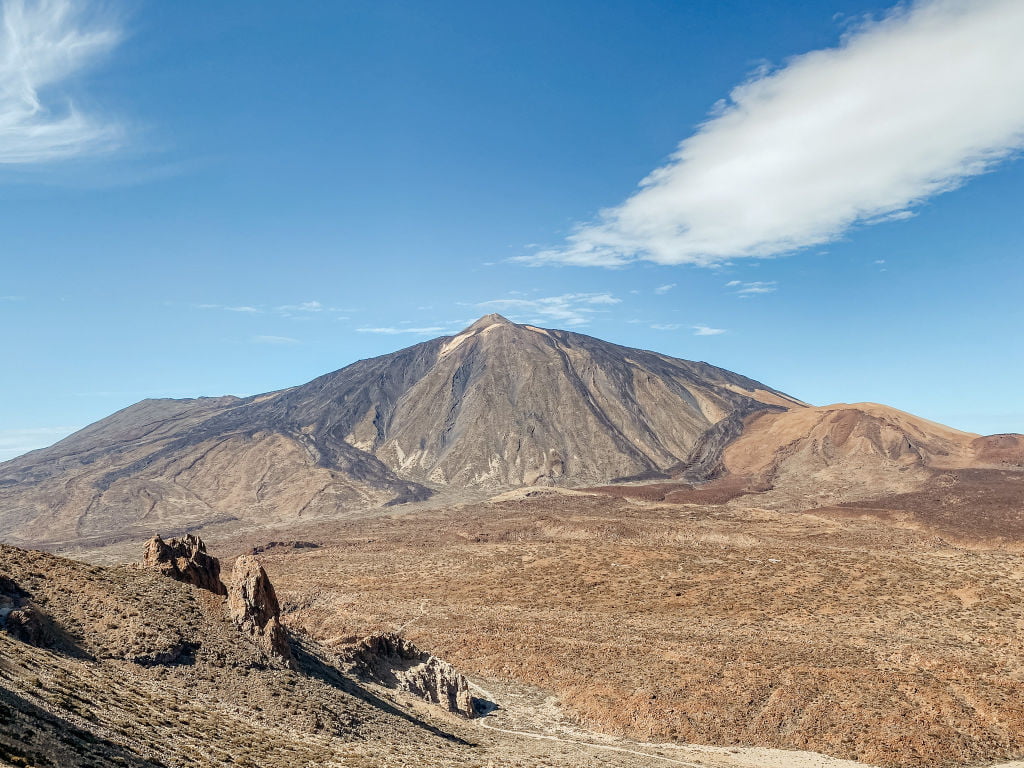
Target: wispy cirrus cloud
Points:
(704, 330)
(305, 306)
(301, 309)
(568, 308)
(661, 290)
(698, 330)
(906, 107)
(425, 331)
(753, 288)
(251, 310)
(43, 44)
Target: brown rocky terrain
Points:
(850, 455)
(708, 624)
(143, 670)
(128, 667)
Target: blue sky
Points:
(205, 198)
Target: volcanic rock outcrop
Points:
(185, 560)
(21, 620)
(253, 606)
(251, 600)
(394, 662)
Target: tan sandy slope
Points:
(836, 453)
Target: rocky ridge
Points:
(394, 662)
(185, 560)
(106, 687)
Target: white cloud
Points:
(231, 309)
(274, 340)
(417, 331)
(753, 288)
(904, 108)
(44, 43)
(703, 330)
(666, 326)
(569, 308)
(306, 306)
(663, 289)
(14, 442)
(284, 310)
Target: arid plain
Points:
(709, 624)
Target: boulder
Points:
(26, 624)
(185, 560)
(253, 606)
(10, 590)
(20, 618)
(394, 662)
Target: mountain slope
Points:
(498, 405)
(839, 453)
(502, 405)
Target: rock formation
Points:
(251, 600)
(20, 618)
(27, 625)
(392, 661)
(253, 606)
(185, 560)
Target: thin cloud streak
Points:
(303, 309)
(393, 331)
(904, 108)
(43, 43)
(746, 290)
(703, 330)
(568, 308)
(252, 310)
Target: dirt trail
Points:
(537, 716)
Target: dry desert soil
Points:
(835, 631)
